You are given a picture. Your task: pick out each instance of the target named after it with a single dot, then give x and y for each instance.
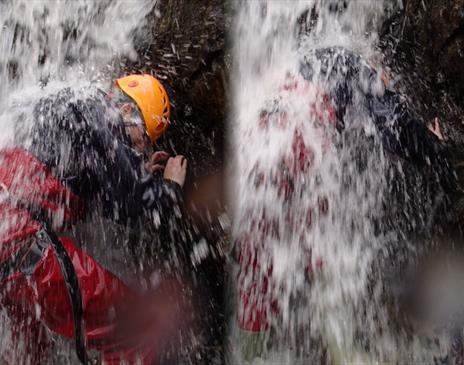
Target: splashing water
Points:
(62, 43)
(307, 199)
(46, 39)
(48, 45)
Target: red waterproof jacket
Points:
(33, 290)
(349, 82)
(257, 292)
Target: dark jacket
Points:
(423, 184)
(80, 136)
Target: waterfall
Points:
(46, 46)
(308, 199)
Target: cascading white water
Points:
(44, 39)
(304, 209)
(47, 45)
(62, 43)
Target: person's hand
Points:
(385, 78)
(156, 162)
(436, 129)
(176, 169)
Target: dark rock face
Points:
(434, 33)
(186, 49)
(424, 44)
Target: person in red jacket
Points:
(258, 299)
(333, 82)
(83, 156)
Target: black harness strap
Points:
(74, 291)
(66, 267)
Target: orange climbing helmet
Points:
(152, 100)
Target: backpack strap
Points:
(44, 238)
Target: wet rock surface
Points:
(424, 45)
(185, 46)
(434, 35)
